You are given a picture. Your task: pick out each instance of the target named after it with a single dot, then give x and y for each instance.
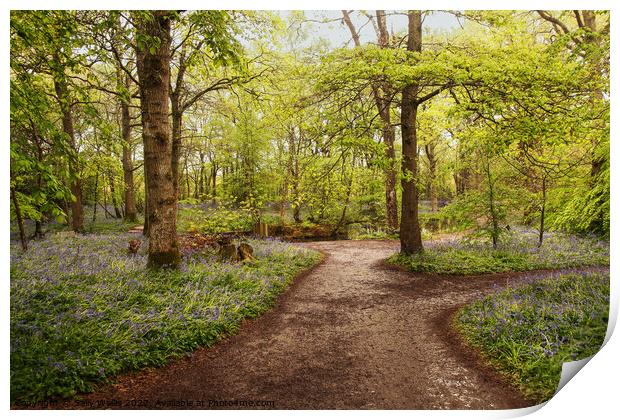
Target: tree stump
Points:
(228, 252)
(245, 251)
(134, 246)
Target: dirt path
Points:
(352, 333)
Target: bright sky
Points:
(338, 34)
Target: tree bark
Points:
(130, 195)
(62, 94)
(410, 235)
(145, 227)
(154, 75)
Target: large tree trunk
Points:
(154, 74)
(130, 197)
(62, 93)
(410, 236)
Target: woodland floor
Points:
(351, 333)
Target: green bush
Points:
(197, 219)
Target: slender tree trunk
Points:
(432, 174)
(391, 201)
(177, 116)
(214, 180)
(589, 21)
(96, 198)
(201, 185)
(381, 93)
(105, 200)
(65, 209)
(62, 93)
(492, 207)
(541, 230)
(294, 172)
(130, 195)
(410, 235)
(20, 221)
(117, 208)
(187, 183)
(154, 74)
(177, 119)
(105, 210)
(343, 215)
(38, 230)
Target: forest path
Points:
(350, 333)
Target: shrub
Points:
(205, 220)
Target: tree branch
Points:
(549, 18)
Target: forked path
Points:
(351, 333)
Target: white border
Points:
(592, 393)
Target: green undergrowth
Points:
(205, 220)
(527, 332)
(83, 310)
(516, 253)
